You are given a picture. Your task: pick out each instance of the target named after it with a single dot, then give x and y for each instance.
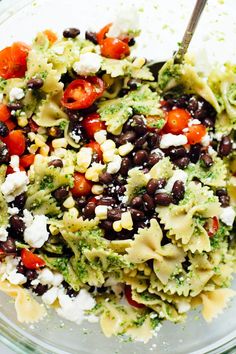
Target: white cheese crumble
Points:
(101, 212)
(14, 185)
(183, 306)
(227, 216)
(59, 49)
(50, 296)
(178, 175)
(47, 277)
(16, 93)
(89, 63)
(193, 122)
(13, 211)
(73, 309)
(14, 163)
(114, 165)
(169, 139)
(75, 137)
(127, 21)
(36, 234)
(206, 140)
(8, 270)
(3, 234)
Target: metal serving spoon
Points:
(179, 55)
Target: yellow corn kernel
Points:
(139, 62)
(33, 148)
(53, 230)
(126, 220)
(93, 172)
(39, 140)
(59, 143)
(117, 226)
(100, 136)
(84, 158)
(31, 136)
(108, 155)
(133, 273)
(44, 150)
(69, 203)
(125, 149)
(97, 189)
(22, 121)
(101, 212)
(108, 145)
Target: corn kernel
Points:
(114, 165)
(22, 121)
(33, 148)
(126, 220)
(100, 136)
(97, 189)
(31, 136)
(125, 149)
(59, 143)
(84, 158)
(93, 172)
(117, 226)
(108, 145)
(53, 230)
(139, 62)
(44, 150)
(101, 212)
(69, 203)
(39, 140)
(108, 155)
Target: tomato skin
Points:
(10, 124)
(98, 85)
(114, 48)
(81, 185)
(27, 160)
(4, 113)
(79, 94)
(102, 33)
(92, 124)
(212, 226)
(128, 295)
(31, 260)
(13, 60)
(96, 149)
(177, 120)
(196, 133)
(15, 142)
(10, 170)
(52, 37)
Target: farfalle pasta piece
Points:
(3, 203)
(42, 203)
(136, 182)
(28, 310)
(162, 169)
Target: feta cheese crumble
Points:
(89, 63)
(3, 234)
(169, 139)
(14, 185)
(8, 271)
(227, 216)
(179, 175)
(16, 93)
(36, 233)
(206, 140)
(14, 163)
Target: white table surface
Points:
(5, 350)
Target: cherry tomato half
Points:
(114, 48)
(10, 169)
(98, 85)
(81, 185)
(177, 120)
(128, 295)
(96, 149)
(10, 124)
(102, 33)
(15, 142)
(13, 60)
(212, 226)
(196, 133)
(92, 124)
(27, 160)
(31, 260)
(4, 113)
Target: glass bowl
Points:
(163, 23)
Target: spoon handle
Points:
(198, 8)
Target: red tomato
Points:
(13, 60)
(155, 122)
(4, 112)
(10, 169)
(79, 94)
(10, 124)
(52, 37)
(177, 120)
(102, 33)
(196, 133)
(128, 295)
(114, 48)
(96, 149)
(31, 260)
(27, 160)
(92, 124)
(15, 142)
(98, 85)
(212, 226)
(81, 185)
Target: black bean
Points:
(114, 214)
(108, 201)
(81, 201)
(194, 153)
(123, 92)
(192, 104)
(153, 140)
(106, 178)
(129, 136)
(89, 210)
(71, 32)
(21, 268)
(107, 225)
(152, 186)
(226, 146)
(35, 83)
(183, 162)
(163, 199)
(55, 132)
(9, 246)
(178, 190)
(69, 290)
(138, 124)
(17, 225)
(133, 83)
(31, 274)
(91, 36)
(137, 214)
(131, 42)
(19, 201)
(200, 113)
(153, 159)
(4, 131)
(180, 102)
(177, 152)
(221, 191)
(136, 202)
(40, 289)
(125, 166)
(208, 122)
(140, 157)
(61, 193)
(206, 160)
(4, 153)
(15, 106)
(56, 163)
(148, 202)
(142, 142)
(73, 116)
(224, 200)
